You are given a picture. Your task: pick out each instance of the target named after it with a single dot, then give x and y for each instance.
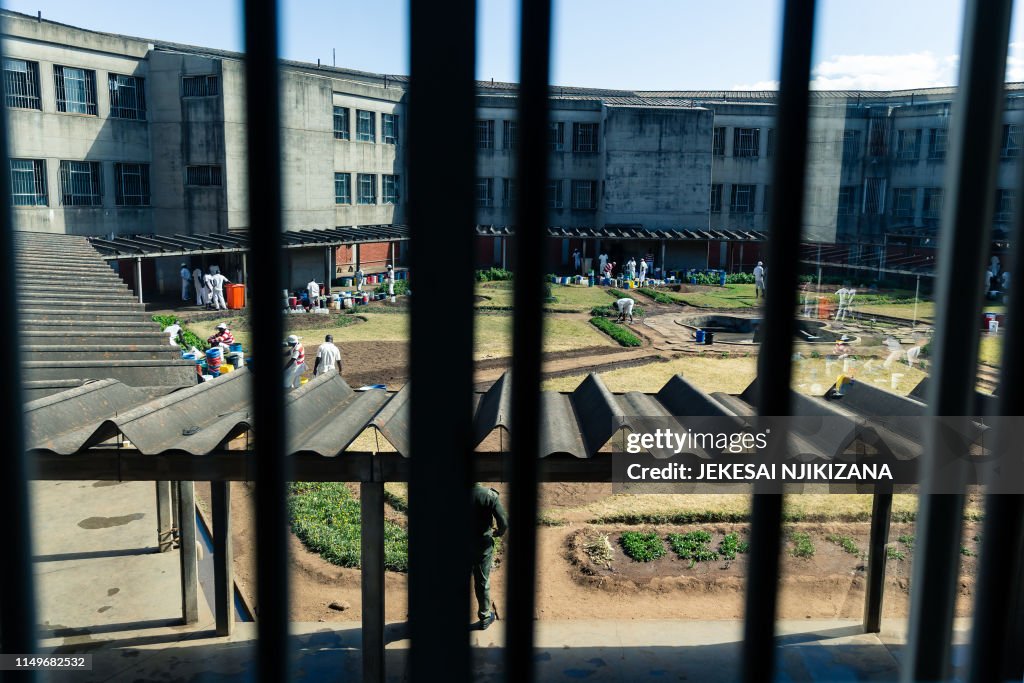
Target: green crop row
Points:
(620, 334)
(660, 297)
(191, 338)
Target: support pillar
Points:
(355, 248)
(164, 517)
(371, 498)
(881, 515)
(245, 270)
(328, 275)
(188, 552)
(664, 266)
(391, 248)
(223, 574)
(138, 278)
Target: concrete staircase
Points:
(80, 322)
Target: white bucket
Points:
(347, 302)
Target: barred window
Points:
(485, 191)
(851, 145)
(511, 135)
(21, 84)
(1011, 140)
(207, 85)
(127, 97)
(389, 192)
(769, 150)
(908, 144)
(554, 194)
(80, 183)
(846, 205)
(742, 200)
(389, 128)
(1004, 205)
(341, 128)
(584, 137)
(746, 142)
(485, 134)
(874, 196)
(28, 182)
(878, 138)
(132, 184)
(716, 198)
(766, 201)
(556, 136)
(75, 90)
(342, 188)
(903, 202)
(584, 194)
(718, 142)
(366, 126)
(937, 143)
(204, 176)
(933, 197)
(510, 192)
(367, 188)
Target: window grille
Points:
(341, 129)
(584, 194)
(203, 176)
(342, 188)
(206, 85)
(851, 145)
(389, 191)
(908, 144)
(932, 206)
(769, 145)
(878, 138)
(389, 128)
(75, 90)
(21, 84)
(554, 194)
(28, 182)
(742, 200)
(716, 198)
(132, 187)
(1005, 200)
(485, 192)
(510, 135)
(718, 142)
(584, 137)
(366, 126)
(485, 134)
(1011, 140)
(367, 188)
(746, 142)
(937, 143)
(874, 196)
(556, 136)
(903, 202)
(80, 183)
(846, 202)
(510, 192)
(127, 97)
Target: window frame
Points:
(751, 149)
(210, 85)
(751, 203)
(851, 145)
(586, 137)
(935, 151)
(194, 173)
(1009, 198)
(576, 187)
(121, 198)
(68, 174)
(119, 111)
(929, 197)
(361, 198)
(60, 86)
(366, 135)
(342, 132)
(899, 194)
(395, 196)
(510, 134)
(718, 141)
(385, 120)
(31, 85)
(40, 195)
(1011, 141)
(847, 207)
(558, 200)
(556, 136)
(509, 192)
(715, 198)
(484, 134)
(346, 178)
(487, 200)
(908, 151)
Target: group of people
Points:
(328, 359)
(631, 270)
(208, 287)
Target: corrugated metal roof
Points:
(633, 232)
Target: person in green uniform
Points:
(489, 522)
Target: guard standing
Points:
(489, 522)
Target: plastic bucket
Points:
(235, 348)
(366, 298)
(347, 302)
(700, 336)
(213, 353)
(346, 282)
(224, 369)
(721, 278)
(293, 301)
(709, 337)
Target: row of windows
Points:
(366, 188)
(366, 126)
(746, 142)
(742, 198)
(585, 136)
(74, 90)
(582, 193)
(905, 199)
(81, 182)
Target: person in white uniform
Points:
(208, 285)
(185, 277)
(625, 306)
(313, 290)
(359, 280)
(643, 270)
(759, 289)
(217, 291)
(197, 281)
(843, 294)
(296, 365)
(389, 278)
(328, 357)
(603, 261)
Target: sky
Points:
(632, 44)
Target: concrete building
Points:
(113, 135)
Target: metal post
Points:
(188, 553)
(391, 246)
(371, 501)
(664, 266)
(164, 517)
(245, 269)
(327, 268)
(917, 293)
(355, 247)
(138, 278)
(223, 557)
(881, 515)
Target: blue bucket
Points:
(234, 347)
(213, 353)
(700, 336)
(721, 278)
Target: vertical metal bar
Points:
(881, 515)
(138, 279)
(188, 553)
(966, 222)
(442, 56)
(371, 501)
(245, 269)
(264, 177)
(17, 582)
(774, 371)
(223, 558)
(164, 517)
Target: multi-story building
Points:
(113, 135)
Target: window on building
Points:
(342, 188)
(509, 192)
(554, 194)
(28, 182)
(716, 198)
(718, 142)
(874, 196)
(584, 137)
(132, 184)
(485, 191)
(206, 85)
(903, 202)
(742, 200)
(75, 90)
(203, 176)
(846, 202)
(746, 142)
(80, 183)
(366, 126)
(932, 207)
(127, 97)
(341, 125)
(1005, 200)
(766, 202)
(769, 144)
(21, 84)
(485, 134)
(851, 145)
(556, 136)
(937, 143)
(878, 138)
(1011, 140)
(367, 188)
(908, 144)
(510, 135)
(584, 194)
(389, 190)
(389, 128)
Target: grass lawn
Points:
(991, 349)
(571, 298)
(925, 309)
(730, 296)
(493, 335)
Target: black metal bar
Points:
(262, 100)
(17, 582)
(164, 516)
(223, 557)
(774, 371)
(528, 262)
(188, 552)
(442, 96)
(881, 515)
(970, 193)
(371, 501)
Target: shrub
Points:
(493, 274)
(659, 297)
(401, 288)
(642, 547)
(190, 337)
(906, 539)
(739, 279)
(694, 546)
(620, 334)
(730, 545)
(802, 545)
(845, 542)
(892, 553)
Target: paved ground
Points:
(105, 591)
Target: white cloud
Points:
(759, 85)
(884, 72)
(1015, 62)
